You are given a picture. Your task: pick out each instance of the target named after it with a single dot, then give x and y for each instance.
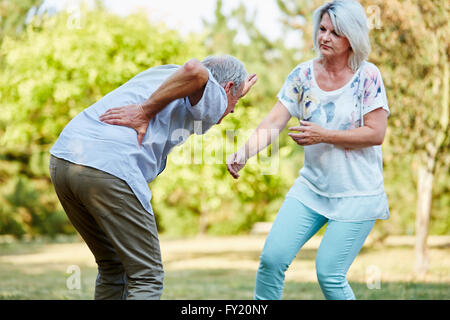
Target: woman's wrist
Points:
(244, 153)
(327, 136)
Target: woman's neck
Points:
(334, 65)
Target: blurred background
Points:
(59, 57)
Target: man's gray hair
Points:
(226, 68)
(349, 20)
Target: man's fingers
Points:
(109, 117)
(113, 110)
(140, 138)
(252, 79)
(117, 114)
(116, 122)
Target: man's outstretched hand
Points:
(251, 80)
(132, 116)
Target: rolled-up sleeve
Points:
(211, 106)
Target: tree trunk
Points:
(426, 173)
(425, 190)
(203, 222)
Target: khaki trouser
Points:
(121, 234)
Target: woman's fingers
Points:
(230, 162)
(297, 135)
(232, 172)
(298, 128)
(299, 138)
(232, 166)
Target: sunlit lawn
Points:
(222, 268)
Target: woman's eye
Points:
(322, 28)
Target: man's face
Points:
(232, 99)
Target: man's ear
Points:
(229, 86)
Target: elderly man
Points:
(105, 157)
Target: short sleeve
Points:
(211, 106)
(290, 94)
(374, 91)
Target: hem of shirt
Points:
(384, 107)
(334, 219)
(339, 195)
(114, 174)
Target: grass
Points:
(222, 268)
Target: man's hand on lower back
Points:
(131, 116)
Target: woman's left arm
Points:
(371, 134)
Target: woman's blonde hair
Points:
(349, 20)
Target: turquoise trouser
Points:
(293, 226)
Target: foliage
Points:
(13, 15)
(411, 48)
(51, 72)
(58, 66)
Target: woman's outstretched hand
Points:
(235, 163)
(132, 116)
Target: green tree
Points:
(413, 50)
(13, 15)
(51, 72)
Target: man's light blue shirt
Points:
(114, 149)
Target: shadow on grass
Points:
(304, 254)
(232, 284)
(34, 245)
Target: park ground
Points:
(223, 268)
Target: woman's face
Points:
(330, 44)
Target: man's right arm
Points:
(189, 81)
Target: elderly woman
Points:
(341, 103)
